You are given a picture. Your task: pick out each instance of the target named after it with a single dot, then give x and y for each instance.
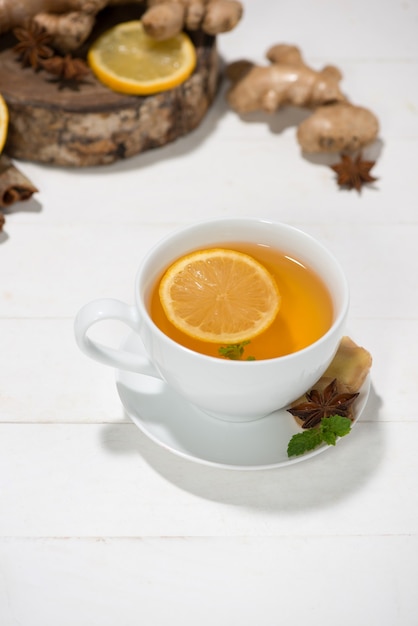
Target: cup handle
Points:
(100, 310)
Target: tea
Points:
(305, 314)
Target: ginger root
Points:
(16, 12)
(165, 18)
(69, 29)
(338, 127)
(70, 22)
(287, 81)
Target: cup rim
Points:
(248, 220)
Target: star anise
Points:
(324, 403)
(66, 68)
(353, 173)
(33, 45)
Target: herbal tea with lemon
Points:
(241, 301)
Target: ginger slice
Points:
(349, 367)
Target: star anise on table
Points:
(33, 45)
(69, 71)
(67, 67)
(353, 173)
(324, 403)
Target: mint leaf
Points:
(329, 437)
(328, 431)
(302, 442)
(333, 427)
(234, 351)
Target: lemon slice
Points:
(4, 122)
(219, 296)
(127, 60)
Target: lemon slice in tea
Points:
(219, 296)
(127, 60)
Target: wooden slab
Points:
(89, 124)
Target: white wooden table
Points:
(99, 525)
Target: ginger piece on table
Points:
(335, 125)
(338, 127)
(287, 81)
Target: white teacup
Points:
(231, 390)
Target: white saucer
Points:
(178, 426)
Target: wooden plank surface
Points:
(210, 581)
(99, 525)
